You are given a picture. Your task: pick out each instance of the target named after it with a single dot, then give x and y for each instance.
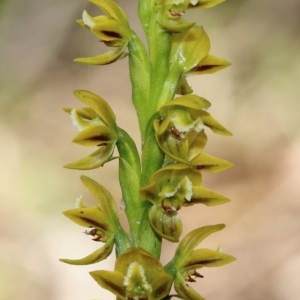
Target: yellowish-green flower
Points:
(169, 16)
(187, 260)
(208, 65)
(112, 29)
(170, 12)
(101, 221)
(180, 132)
(171, 188)
(178, 185)
(137, 276)
(190, 50)
(97, 128)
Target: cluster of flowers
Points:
(178, 126)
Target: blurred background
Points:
(257, 99)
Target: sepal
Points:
(201, 258)
(94, 257)
(98, 135)
(191, 102)
(189, 48)
(209, 65)
(103, 197)
(100, 107)
(193, 239)
(112, 10)
(89, 217)
(206, 197)
(95, 160)
(83, 118)
(209, 163)
(214, 125)
(103, 59)
(111, 281)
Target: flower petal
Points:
(205, 162)
(214, 125)
(87, 23)
(207, 197)
(197, 143)
(95, 257)
(99, 105)
(161, 286)
(150, 192)
(104, 58)
(112, 9)
(87, 20)
(84, 117)
(209, 65)
(95, 136)
(111, 281)
(88, 217)
(103, 197)
(206, 258)
(111, 30)
(192, 239)
(193, 102)
(95, 160)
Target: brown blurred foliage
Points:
(257, 99)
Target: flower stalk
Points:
(166, 176)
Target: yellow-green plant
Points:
(168, 174)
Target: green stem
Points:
(149, 240)
(159, 47)
(145, 9)
(152, 160)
